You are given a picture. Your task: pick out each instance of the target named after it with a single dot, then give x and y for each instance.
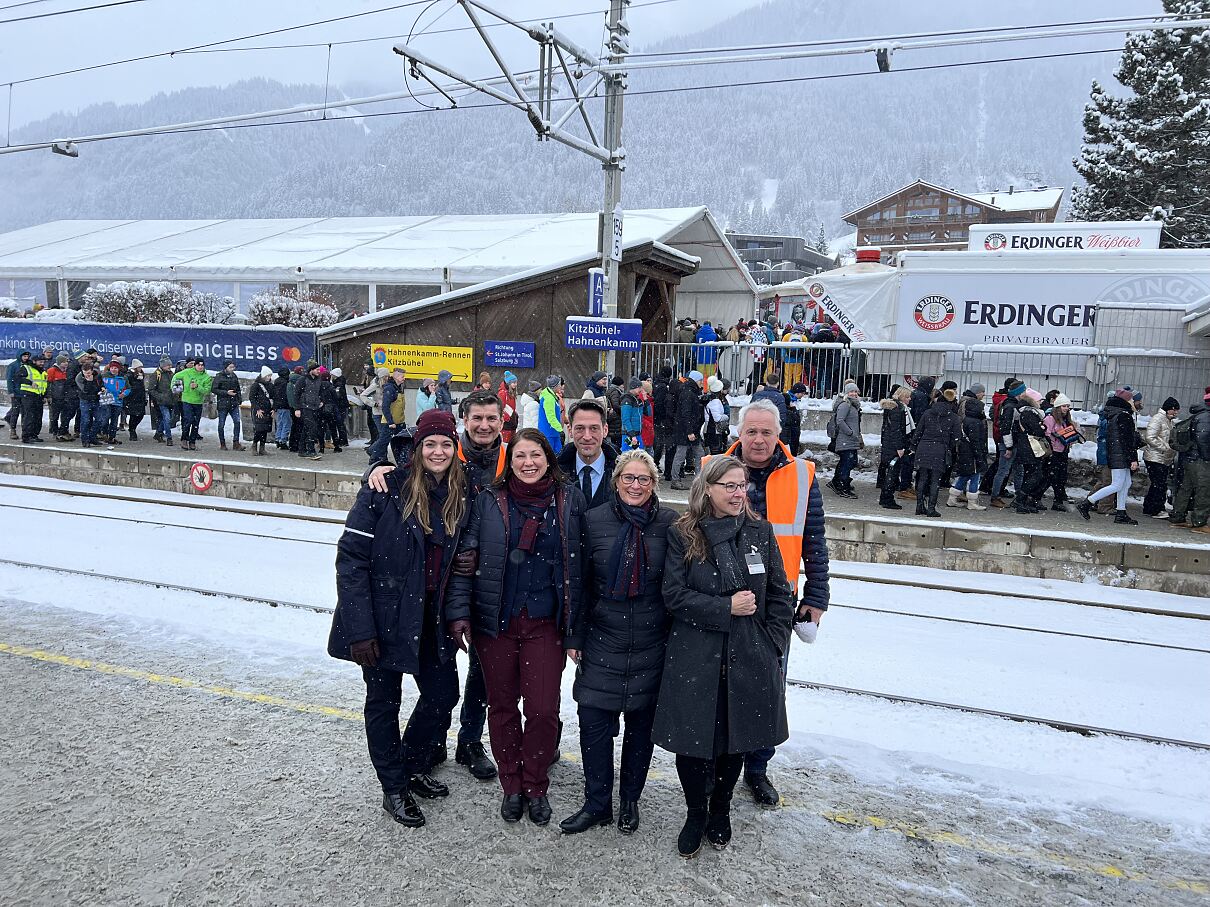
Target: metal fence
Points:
(1085, 375)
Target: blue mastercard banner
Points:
(248, 348)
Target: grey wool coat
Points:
(704, 636)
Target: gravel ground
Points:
(118, 790)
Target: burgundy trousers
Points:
(523, 665)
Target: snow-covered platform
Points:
(1153, 555)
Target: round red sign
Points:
(933, 313)
(201, 476)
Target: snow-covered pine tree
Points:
(312, 309)
(1147, 156)
(821, 242)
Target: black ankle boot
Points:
(690, 840)
(718, 826)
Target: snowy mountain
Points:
(784, 157)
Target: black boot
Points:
(1121, 516)
(763, 792)
(718, 827)
(403, 809)
(690, 840)
(539, 810)
(475, 759)
(512, 808)
(628, 817)
(440, 754)
(1084, 509)
(887, 499)
(921, 505)
(133, 436)
(584, 820)
(427, 786)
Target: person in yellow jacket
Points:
(783, 490)
(32, 384)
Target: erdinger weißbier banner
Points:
(1114, 236)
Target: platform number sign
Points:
(201, 476)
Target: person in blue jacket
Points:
(707, 356)
(118, 389)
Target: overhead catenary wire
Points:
(68, 12)
(239, 121)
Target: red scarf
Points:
(532, 500)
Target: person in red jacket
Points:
(508, 398)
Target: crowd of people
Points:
(303, 410)
(529, 555)
(933, 439)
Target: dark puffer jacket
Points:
(1029, 425)
(380, 561)
(221, 386)
(936, 436)
(480, 599)
(894, 436)
(922, 398)
(972, 446)
(621, 642)
(1120, 434)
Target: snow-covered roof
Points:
(1021, 199)
(434, 250)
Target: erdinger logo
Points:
(816, 290)
(933, 313)
(994, 242)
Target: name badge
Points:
(755, 564)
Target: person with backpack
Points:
(1190, 438)
(844, 434)
(791, 427)
(718, 417)
(1062, 433)
(1158, 457)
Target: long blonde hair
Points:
(689, 524)
(415, 493)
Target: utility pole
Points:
(554, 51)
(611, 215)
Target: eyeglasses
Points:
(731, 487)
(641, 481)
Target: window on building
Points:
(390, 295)
(921, 236)
(350, 299)
(879, 237)
(924, 213)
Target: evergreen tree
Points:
(821, 242)
(1147, 156)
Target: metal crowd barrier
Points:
(1085, 375)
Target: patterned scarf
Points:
(628, 560)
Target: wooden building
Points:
(925, 216)
(530, 307)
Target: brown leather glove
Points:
(466, 562)
(460, 632)
(365, 653)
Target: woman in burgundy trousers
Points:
(520, 607)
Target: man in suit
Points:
(590, 456)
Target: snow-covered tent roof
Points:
(450, 249)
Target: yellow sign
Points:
(425, 361)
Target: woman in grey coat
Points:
(732, 610)
(847, 440)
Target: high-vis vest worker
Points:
(501, 459)
(787, 493)
(34, 381)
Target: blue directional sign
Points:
(596, 292)
(508, 354)
(604, 333)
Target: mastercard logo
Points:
(291, 354)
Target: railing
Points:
(1085, 375)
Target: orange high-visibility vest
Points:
(787, 493)
(501, 458)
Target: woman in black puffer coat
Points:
(972, 450)
(935, 440)
(619, 640)
(894, 447)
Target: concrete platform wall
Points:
(1180, 569)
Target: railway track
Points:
(336, 519)
(1068, 726)
(1056, 724)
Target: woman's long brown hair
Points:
(689, 524)
(415, 493)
